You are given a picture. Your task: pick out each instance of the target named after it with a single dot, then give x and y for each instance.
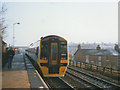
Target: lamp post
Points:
(14, 32)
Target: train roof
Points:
(51, 36)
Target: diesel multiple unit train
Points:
(51, 54)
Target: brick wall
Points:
(106, 61)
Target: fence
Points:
(110, 72)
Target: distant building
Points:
(98, 56)
(73, 46)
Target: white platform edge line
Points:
(42, 80)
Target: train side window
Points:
(44, 51)
(63, 50)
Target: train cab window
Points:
(37, 51)
(63, 50)
(44, 51)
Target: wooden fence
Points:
(110, 72)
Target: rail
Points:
(96, 81)
(56, 83)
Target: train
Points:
(51, 55)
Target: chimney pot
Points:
(98, 47)
(79, 47)
(116, 47)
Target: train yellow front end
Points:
(53, 56)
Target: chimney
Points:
(116, 47)
(98, 47)
(79, 47)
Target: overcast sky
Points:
(75, 21)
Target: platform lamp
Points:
(14, 32)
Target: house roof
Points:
(96, 52)
(3, 42)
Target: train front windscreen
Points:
(44, 50)
(55, 49)
(63, 50)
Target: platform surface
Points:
(17, 76)
(15, 79)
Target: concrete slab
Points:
(15, 79)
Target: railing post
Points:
(111, 72)
(76, 63)
(85, 65)
(72, 63)
(103, 70)
(91, 66)
(96, 67)
(80, 64)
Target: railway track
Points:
(56, 83)
(92, 80)
(52, 82)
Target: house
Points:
(98, 56)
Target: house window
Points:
(87, 60)
(93, 62)
(99, 60)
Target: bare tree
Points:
(2, 19)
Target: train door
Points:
(54, 68)
(54, 53)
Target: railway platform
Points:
(21, 75)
